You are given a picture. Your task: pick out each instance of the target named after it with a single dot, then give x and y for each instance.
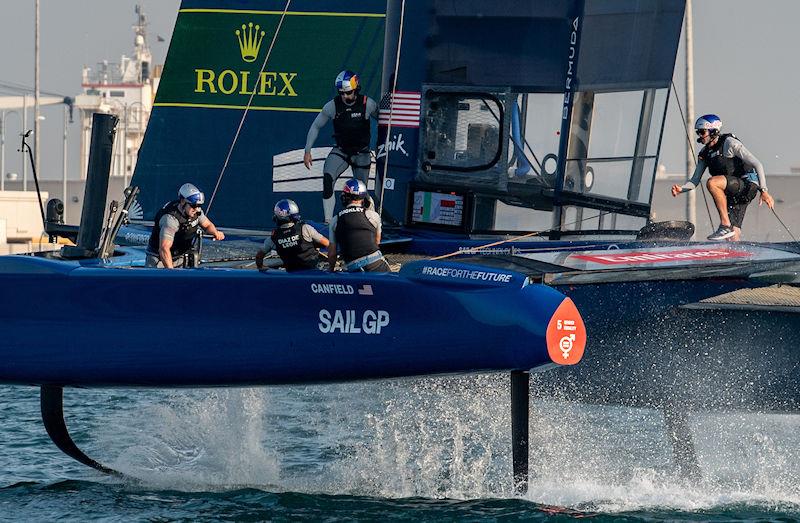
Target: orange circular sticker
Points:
(566, 334)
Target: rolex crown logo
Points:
(250, 38)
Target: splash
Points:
(449, 437)
(198, 440)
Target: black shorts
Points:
(740, 192)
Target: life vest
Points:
(297, 253)
(355, 235)
(183, 242)
(717, 163)
(351, 127)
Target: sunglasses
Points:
(701, 132)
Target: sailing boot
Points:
(723, 233)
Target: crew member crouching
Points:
(295, 241)
(356, 232)
(176, 230)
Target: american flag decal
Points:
(404, 108)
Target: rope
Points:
(247, 108)
(784, 225)
(516, 238)
(550, 249)
(391, 106)
(524, 140)
(691, 147)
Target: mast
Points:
(691, 201)
(36, 121)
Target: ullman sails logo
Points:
(249, 36)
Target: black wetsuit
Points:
(297, 253)
(355, 238)
(739, 190)
(351, 126)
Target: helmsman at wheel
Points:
(176, 229)
(351, 112)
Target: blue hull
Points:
(95, 326)
(658, 343)
(705, 360)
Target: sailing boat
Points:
(532, 148)
(528, 153)
(432, 317)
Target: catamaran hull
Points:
(70, 325)
(677, 325)
(708, 360)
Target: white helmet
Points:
(710, 122)
(286, 211)
(191, 194)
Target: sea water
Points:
(413, 449)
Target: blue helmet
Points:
(347, 81)
(353, 190)
(711, 122)
(191, 194)
(286, 211)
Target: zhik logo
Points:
(395, 144)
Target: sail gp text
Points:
(348, 322)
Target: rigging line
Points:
(473, 250)
(784, 225)
(536, 158)
(391, 106)
(691, 148)
(525, 141)
(550, 249)
(247, 108)
(23, 88)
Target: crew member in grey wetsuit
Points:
(736, 176)
(355, 232)
(351, 113)
(176, 229)
(295, 242)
